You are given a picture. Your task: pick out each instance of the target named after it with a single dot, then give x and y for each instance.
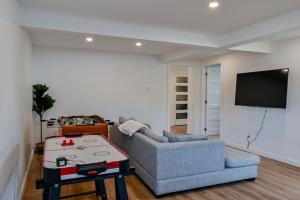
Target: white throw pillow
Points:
(130, 127)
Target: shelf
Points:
(181, 111)
(182, 84)
(181, 93)
(182, 102)
(181, 122)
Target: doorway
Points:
(180, 99)
(212, 99)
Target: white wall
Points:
(104, 83)
(281, 137)
(15, 102)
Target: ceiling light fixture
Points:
(214, 4)
(89, 39)
(138, 44)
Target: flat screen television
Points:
(262, 89)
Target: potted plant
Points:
(42, 102)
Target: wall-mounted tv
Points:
(262, 89)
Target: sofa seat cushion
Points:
(237, 158)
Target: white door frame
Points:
(204, 96)
(190, 121)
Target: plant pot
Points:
(39, 148)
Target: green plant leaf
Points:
(42, 101)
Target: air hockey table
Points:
(82, 158)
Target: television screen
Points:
(262, 89)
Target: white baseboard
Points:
(25, 177)
(265, 154)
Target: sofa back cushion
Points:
(124, 119)
(172, 137)
(149, 133)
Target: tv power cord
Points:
(249, 140)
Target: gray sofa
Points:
(173, 167)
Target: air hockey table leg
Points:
(120, 186)
(100, 189)
(46, 193)
(52, 184)
(55, 192)
(51, 192)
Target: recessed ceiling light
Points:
(89, 39)
(138, 44)
(214, 4)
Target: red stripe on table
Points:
(68, 170)
(112, 165)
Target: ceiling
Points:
(285, 35)
(172, 29)
(187, 15)
(54, 38)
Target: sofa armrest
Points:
(117, 137)
(190, 158)
(170, 160)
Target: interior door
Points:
(213, 99)
(181, 99)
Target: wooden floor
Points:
(179, 129)
(275, 181)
